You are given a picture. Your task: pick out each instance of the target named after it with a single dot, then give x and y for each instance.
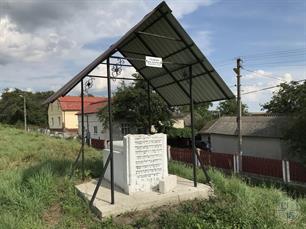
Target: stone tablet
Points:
(141, 163)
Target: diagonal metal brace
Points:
(203, 168)
(75, 163)
(100, 180)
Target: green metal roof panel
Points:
(166, 39)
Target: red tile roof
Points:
(73, 103)
(94, 107)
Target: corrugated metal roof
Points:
(160, 34)
(256, 126)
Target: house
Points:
(94, 126)
(62, 112)
(91, 120)
(181, 120)
(262, 136)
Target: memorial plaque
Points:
(142, 164)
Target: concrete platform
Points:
(140, 200)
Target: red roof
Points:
(73, 103)
(94, 107)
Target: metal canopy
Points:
(159, 34)
(185, 77)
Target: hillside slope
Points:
(35, 192)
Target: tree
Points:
(202, 114)
(130, 104)
(229, 107)
(11, 107)
(290, 100)
(203, 110)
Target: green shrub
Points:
(179, 132)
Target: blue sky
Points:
(43, 44)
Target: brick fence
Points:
(286, 170)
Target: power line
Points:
(267, 88)
(274, 53)
(277, 57)
(263, 89)
(290, 61)
(281, 55)
(272, 76)
(279, 65)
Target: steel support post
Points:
(194, 157)
(82, 123)
(149, 108)
(110, 124)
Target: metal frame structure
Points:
(202, 84)
(109, 161)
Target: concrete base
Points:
(140, 200)
(167, 184)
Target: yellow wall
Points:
(71, 119)
(61, 119)
(55, 117)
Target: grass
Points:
(35, 192)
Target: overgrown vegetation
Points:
(230, 107)
(290, 100)
(12, 107)
(237, 205)
(179, 132)
(130, 104)
(36, 193)
(35, 190)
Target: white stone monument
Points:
(140, 164)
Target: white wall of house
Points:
(97, 131)
(273, 148)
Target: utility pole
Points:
(24, 111)
(239, 152)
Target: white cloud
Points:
(186, 6)
(203, 39)
(260, 79)
(101, 84)
(42, 42)
(17, 45)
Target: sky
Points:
(44, 43)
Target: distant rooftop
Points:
(73, 103)
(256, 126)
(93, 108)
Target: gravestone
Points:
(140, 163)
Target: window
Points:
(52, 121)
(125, 128)
(95, 129)
(59, 121)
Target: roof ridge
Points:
(213, 124)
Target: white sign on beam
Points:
(155, 62)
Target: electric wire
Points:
(267, 88)
(272, 76)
